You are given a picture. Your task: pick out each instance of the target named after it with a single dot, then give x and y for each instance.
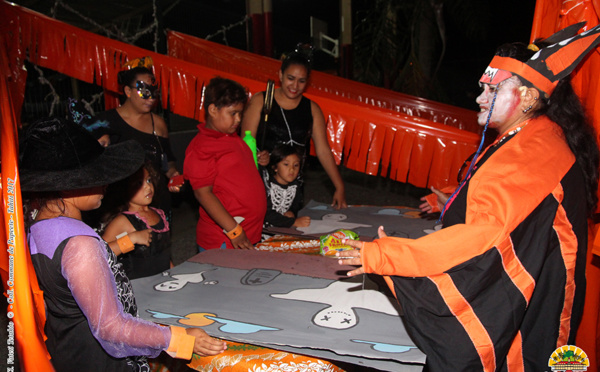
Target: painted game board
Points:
(298, 303)
(403, 222)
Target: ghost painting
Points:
(329, 223)
(342, 298)
(180, 281)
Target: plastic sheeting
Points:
(25, 310)
(375, 131)
(551, 16)
(253, 66)
(93, 58)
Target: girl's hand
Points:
(428, 206)
(263, 157)
(353, 256)
(204, 344)
(242, 242)
(302, 221)
(289, 214)
(142, 237)
(175, 182)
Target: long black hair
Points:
(565, 109)
(300, 56)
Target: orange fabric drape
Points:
(93, 58)
(551, 16)
(26, 314)
(374, 130)
(253, 66)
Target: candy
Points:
(332, 243)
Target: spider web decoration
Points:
(124, 33)
(224, 30)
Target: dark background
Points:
(474, 28)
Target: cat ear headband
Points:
(139, 62)
(550, 64)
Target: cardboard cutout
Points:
(297, 303)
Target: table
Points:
(294, 303)
(260, 354)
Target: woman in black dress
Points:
(134, 120)
(294, 120)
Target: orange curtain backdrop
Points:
(551, 16)
(429, 157)
(25, 308)
(253, 66)
(375, 131)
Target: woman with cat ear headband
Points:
(135, 120)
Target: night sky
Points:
(466, 55)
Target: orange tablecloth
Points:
(244, 357)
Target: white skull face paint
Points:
(505, 106)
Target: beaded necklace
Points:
(510, 133)
(160, 213)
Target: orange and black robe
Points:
(501, 286)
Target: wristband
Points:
(125, 243)
(235, 232)
(181, 343)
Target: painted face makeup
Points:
(147, 91)
(506, 111)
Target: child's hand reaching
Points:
(143, 237)
(434, 202)
(242, 242)
(303, 221)
(206, 345)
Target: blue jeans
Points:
(200, 249)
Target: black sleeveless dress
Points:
(292, 127)
(154, 147)
(149, 260)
